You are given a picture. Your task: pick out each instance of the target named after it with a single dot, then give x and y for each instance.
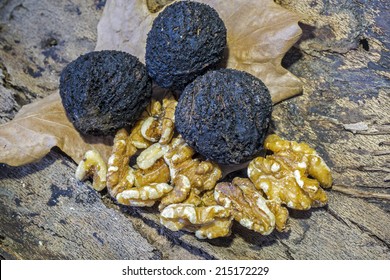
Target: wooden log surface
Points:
(344, 112)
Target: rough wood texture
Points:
(343, 61)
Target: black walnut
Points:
(186, 39)
(103, 91)
(224, 115)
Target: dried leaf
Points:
(260, 32)
(40, 126)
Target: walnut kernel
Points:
(203, 175)
(143, 196)
(150, 155)
(283, 176)
(157, 173)
(93, 165)
(207, 222)
(249, 208)
(180, 192)
(118, 164)
(280, 212)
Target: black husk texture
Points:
(186, 39)
(103, 91)
(224, 115)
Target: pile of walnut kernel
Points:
(167, 171)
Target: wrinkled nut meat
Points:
(194, 198)
(122, 177)
(149, 156)
(186, 187)
(207, 198)
(145, 196)
(300, 156)
(150, 129)
(168, 120)
(118, 164)
(207, 222)
(203, 175)
(93, 165)
(157, 173)
(249, 208)
(136, 137)
(156, 123)
(280, 212)
(159, 126)
(180, 192)
(283, 176)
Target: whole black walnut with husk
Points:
(186, 39)
(224, 115)
(103, 91)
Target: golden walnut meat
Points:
(203, 175)
(180, 192)
(159, 126)
(280, 212)
(167, 119)
(122, 177)
(143, 196)
(300, 156)
(194, 198)
(118, 163)
(156, 123)
(207, 222)
(205, 198)
(150, 155)
(157, 173)
(186, 187)
(93, 165)
(144, 186)
(249, 208)
(136, 138)
(283, 176)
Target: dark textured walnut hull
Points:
(186, 40)
(224, 115)
(103, 91)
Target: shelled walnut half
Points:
(249, 207)
(119, 172)
(159, 126)
(284, 175)
(143, 196)
(203, 175)
(93, 165)
(180, 192)
(207, 222)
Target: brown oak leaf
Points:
(40, 126)
(259, 33)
